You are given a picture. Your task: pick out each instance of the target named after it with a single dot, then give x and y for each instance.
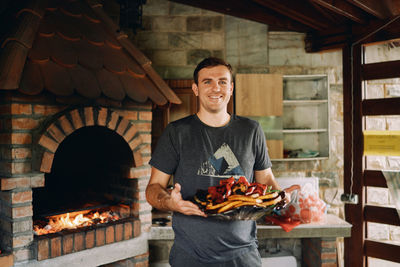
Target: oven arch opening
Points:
(89, 169)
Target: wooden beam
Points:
(376, 31)
(381, 107)
(381, 215)
(299, 11)
(381, 250)
(381, 70)
(386, 31)
(343, 8)
(325, 12)
(373, 7)
(374, 178)
(248, 10)
(353, 155)
(316, 43)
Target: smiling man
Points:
(199, 151)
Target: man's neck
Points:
(214, 119)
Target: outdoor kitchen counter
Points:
(332, 226)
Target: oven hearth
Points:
(89, 161)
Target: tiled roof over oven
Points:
(72, 46)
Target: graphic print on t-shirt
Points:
(222, 164)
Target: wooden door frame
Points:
(356, 177)
(353, 148)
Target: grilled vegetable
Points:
(231, 194)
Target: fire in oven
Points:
(87, 185)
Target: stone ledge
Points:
(96, 256)
(333, 226)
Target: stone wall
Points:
(175, 37)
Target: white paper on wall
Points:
(393, 183)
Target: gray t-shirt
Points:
(200, 156)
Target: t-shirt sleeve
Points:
(166, 157)
(262, 160)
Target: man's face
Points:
(214, 88)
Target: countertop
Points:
(331, 226)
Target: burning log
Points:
(74, 220)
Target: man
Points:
(200, 150)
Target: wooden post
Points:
(353, 154)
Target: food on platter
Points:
(239, 199)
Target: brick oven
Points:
(76, 101)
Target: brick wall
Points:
(138, 261)
(319, 252)
(31, 128)
(54, 245)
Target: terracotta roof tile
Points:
(12, 64)
(85, 82)
(87, 12)
(155, 95)
(92, 32)
(41, 49)
(74, 47)
(63, 52)
(134, 87)
(114, 60)
(72, 8)
(68, 27)
(110, 84)
(34, 7)
(56, 79)
(134, 69)
(112, 41)
(54, 4)
(32, 80)
(47, 25)
(156, 79)
(25, 34)
(89, 56)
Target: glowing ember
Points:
(73, 221)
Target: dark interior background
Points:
(87, 166)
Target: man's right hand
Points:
(158, 196)
(176, 203)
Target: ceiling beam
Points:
(375, 31)
(252, 11)
(299, 11)
(343, 8)
(373, 7)
(325, 12)
(317, 43)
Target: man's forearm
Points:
(266, 177)
(158, 196)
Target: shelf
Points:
(294, 131)
(305, 102)
(303, 120)
(305, 117)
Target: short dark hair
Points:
(208, 63)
